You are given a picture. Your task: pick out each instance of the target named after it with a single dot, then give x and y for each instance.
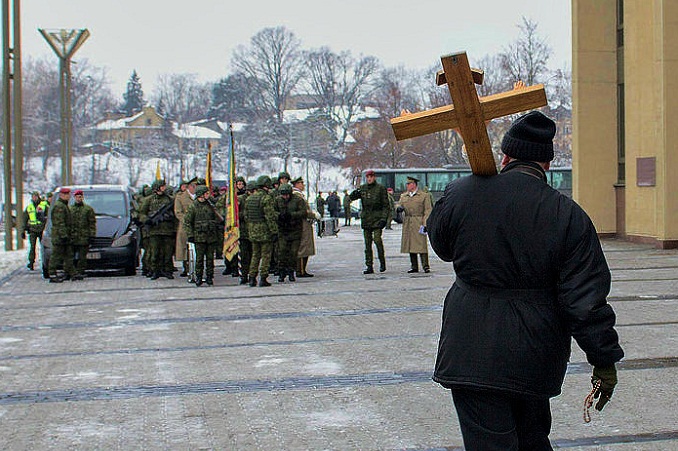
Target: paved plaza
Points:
(340, 361)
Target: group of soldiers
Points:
(73, 230)
(275, 231)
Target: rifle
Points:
(216, 211)
(165, 213)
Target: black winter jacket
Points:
(531, 274)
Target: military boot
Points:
(155, 275)
(281, 276)
(263, 282)
(184, 273)
(253, 281)
(382, 265)
(291, 276)
(209, 280)
(369, 270)
(243, 280)
(55, 279)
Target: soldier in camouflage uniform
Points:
(374, 212)
(202, 225)
(145, 193)
(244, 243)
(291, 213)
(157, 213)
(62, 226)
(84, 229)
(262, 229)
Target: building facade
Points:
(625, 117)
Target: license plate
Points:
(93, 255)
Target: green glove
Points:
(608, 380)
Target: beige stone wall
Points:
(594, 115)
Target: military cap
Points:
(370, 172)
(412, 179)
(201, 181)
(65, 191)
(240, 178)
(193, 180)
(264, 180)
(200, 190)
(285, 188)
(251, 185)
(35, 193)
(50, 194)
(78, 192)
(284, 175)
(297, 180)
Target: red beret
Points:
(223, 188)
(77, 192)
(370, 172)
(65, 191)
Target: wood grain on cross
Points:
(468, 112)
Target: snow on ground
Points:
(11, 260)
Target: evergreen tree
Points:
(134, 97)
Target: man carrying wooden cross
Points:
(530, 275)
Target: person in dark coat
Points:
(62, 249)
(83, 232)
(530, 275)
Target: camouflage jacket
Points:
(291, 214)
(201, 223)
(61, 223)
(148, 214)
(242, 198)
(84, 225)
(261, 217)
(375, 206)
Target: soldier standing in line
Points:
(157, 212)
(245, 245)
(202, 225)
(373, 216)
(291, 213)
(83, 232)
(145, 236)
(262, 229)
(35, 218)
(346, 201)
(62, 225)
(417, 207)
(182, 200)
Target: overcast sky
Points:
(198, 36)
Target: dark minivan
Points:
(116, 245)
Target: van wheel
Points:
(130, 270)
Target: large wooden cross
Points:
(468, 112)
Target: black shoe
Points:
(412, 270)
(281, 278)
(427, 270)
(67, 277)
(382, 267)
(226, 271)
(198, 282)
(263, 282)
(30, 266)
(291, 275)
(155, 276)
(78, 277)
(209, 281)
(184, 273)
(169, 275)
(369, 270)
(55, 279)
(243, 280)
(253, 281)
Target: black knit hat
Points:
(530, 138)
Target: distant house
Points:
(119, 132)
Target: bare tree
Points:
(342, 83)
(184, 99)
(526, 59)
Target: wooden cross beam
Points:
(468, 112)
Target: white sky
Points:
(198, 36)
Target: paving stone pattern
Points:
(340, 361)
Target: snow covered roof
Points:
(188, 131)
(293, 116)
(117, 124)
(237, 126)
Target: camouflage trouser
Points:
(287, 254)
(80, 253)
(161, 247)
(204, 256)
(245, 256)
(62, 256)
(146, 258)
(373, 235)
(261, 252)
(32, 242)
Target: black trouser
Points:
(32, 242)
(494, 420)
